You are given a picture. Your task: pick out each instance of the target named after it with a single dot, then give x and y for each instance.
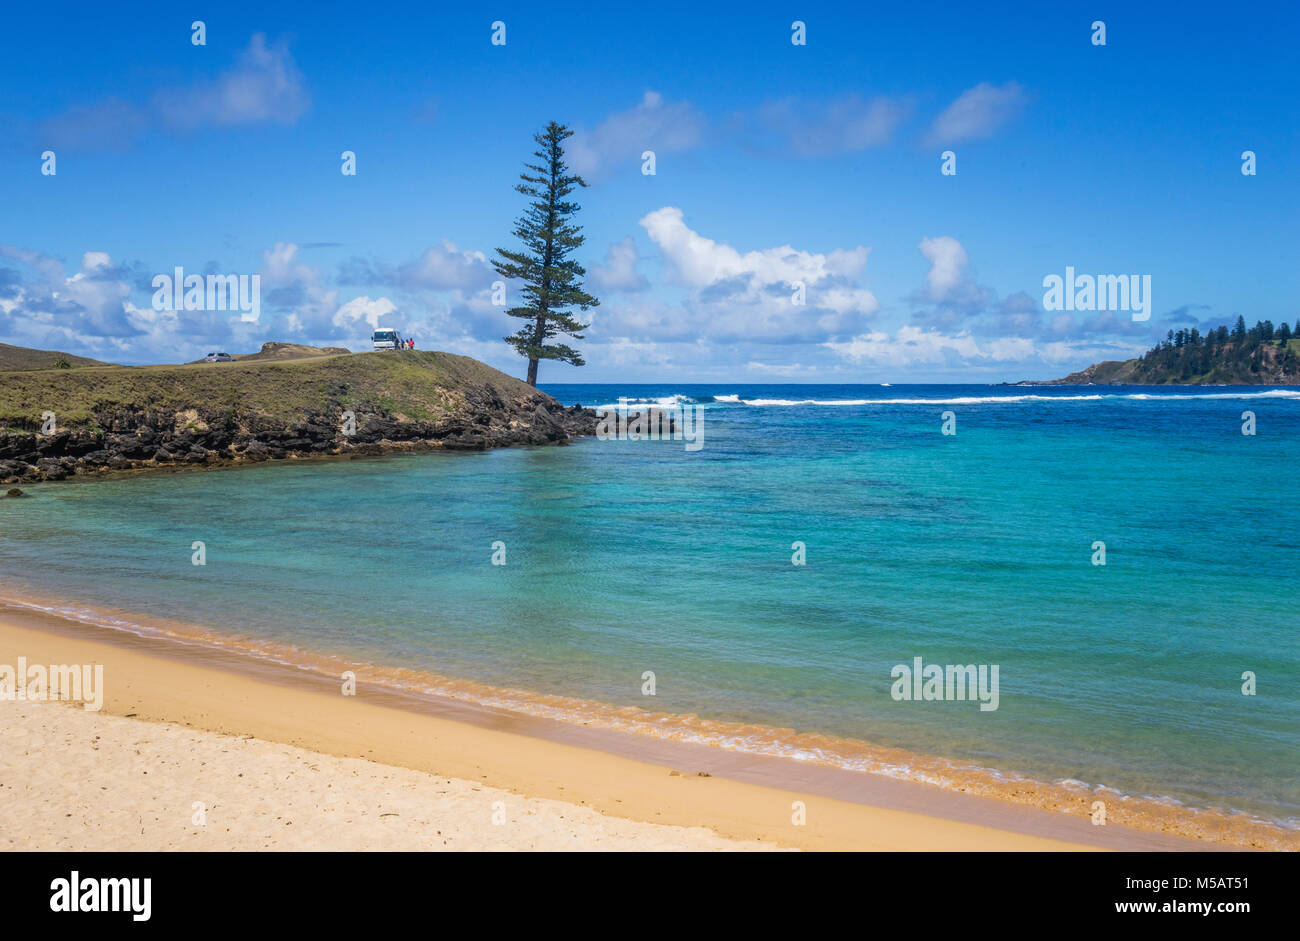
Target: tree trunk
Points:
(539, 333)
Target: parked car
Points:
(219, 358)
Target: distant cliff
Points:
(1261, 355)
(114, 418)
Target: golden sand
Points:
(230, 693)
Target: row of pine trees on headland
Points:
(1259, 354)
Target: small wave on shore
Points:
(677, 400)
(1152, 813)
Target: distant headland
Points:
(1259, 355)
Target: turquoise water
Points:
(628, 556)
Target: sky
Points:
(776, 164)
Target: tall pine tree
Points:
(552, 284)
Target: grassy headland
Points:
(115, 417)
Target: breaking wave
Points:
(674, 401)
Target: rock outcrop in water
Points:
(115, 418)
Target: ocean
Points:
(644, 566)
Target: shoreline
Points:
(192, 682)
(375, 451)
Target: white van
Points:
(386, 340)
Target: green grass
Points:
(412, 385)
(20, 357)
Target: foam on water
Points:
(678, 399)
(1067, 795)
(627, 556)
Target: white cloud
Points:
(90, 261)
(907, 346)
(621, 351)
(263, 85)
(978, 112)
(89, 311)
(619, 271)
(947, 261)
(50, 268)
(444, 292)
(911, 345)
(621, 138)
(299, 290)
(93, 302)
(444, 266)
(701, 261)
(364, 310)
(736, 296)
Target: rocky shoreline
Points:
(124, 439)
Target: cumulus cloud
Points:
(619, 273)
(298, 290)
(1018, 313)
(440, 267)
(621, 138)
(771, 295)
(947, 261)
(444, 292)
(89, 310)
(445, 266)
(440, 297)
(364, 310)
(978, 112)
(701, 261)
(909, 345)
(951, 295)
(92, 310)
(735, 315)
(94, 301)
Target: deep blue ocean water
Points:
(631, 556)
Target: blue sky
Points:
(774, 163)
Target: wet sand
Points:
(224, 696)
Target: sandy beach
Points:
(277, 761)
(125, 784)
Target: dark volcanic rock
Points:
(134, 438)
(50, 468)
(97, 458)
